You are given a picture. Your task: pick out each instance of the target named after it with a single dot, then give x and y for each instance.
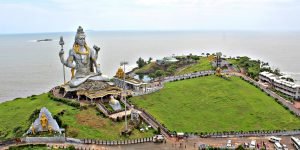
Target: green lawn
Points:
(148, 68)
(203, 64)
(210, 104)
(82, 123)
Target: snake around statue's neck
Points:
(76, 48)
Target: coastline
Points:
(26, 75)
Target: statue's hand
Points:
(96, 48)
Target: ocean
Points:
(29, 67)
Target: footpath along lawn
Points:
(210, 104)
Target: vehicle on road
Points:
(158, 138)
(284, 147)
(278, 146)
(252, 144)
(228, 145)
(296, 142)
(274, 139)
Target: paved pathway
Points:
(120, 114)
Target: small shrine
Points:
(44, 123)
(130, 83)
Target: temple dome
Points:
(120, 73)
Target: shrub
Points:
(118, 119)
(71, 147)
(64, 126)
(84, 107)
(58, 120)
(73, 132)
(65, 101)
(34, 115)
(18, 131)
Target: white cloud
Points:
(62, 15)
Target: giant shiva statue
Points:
(85, 58)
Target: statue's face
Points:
(80, 40)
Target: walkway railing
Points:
(188, 76)
(148, 91)
(117, 142)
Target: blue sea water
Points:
(29, 67)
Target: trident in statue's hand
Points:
(61, 43)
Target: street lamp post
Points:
(123, 63)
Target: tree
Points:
(141, 62)
(277, 72)
(290, 79)
(141, 76)
(151, 75)
(158, 130)
(149, 60)
(207, 54)
(171, 69)
(159, 73)
(195, 57)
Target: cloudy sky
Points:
(31, 16)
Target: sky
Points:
(35, 16)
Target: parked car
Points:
(284, 147)
(274, 139)
(278, 146)
(158, 138)
(203, 146)
(228, 145)
(246, 145)
(252, 144)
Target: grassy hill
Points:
(203, 64)
(81, 123)
(211, 104)
(182, 67)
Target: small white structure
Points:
(180, 134)
(289, 88)
(166, 60)
(115, 104)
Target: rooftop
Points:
(277, 79)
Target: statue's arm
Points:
(94, 59)
(69, 62)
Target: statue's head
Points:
(80, 37)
